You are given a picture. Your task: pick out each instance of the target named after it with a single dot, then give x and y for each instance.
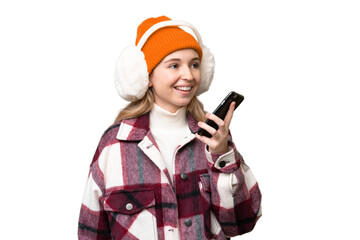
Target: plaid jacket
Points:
(129, 194)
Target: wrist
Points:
(220, 149)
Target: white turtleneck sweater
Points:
(168, 129)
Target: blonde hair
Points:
(144, 105)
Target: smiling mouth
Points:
(185, 89)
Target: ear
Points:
(150, 84)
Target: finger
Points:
(208, 128)
(204, 139)
(213, 146)
(229, 114)
(216, 119)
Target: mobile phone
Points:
(221, 111)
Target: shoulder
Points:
(109, 136)
(111, 131)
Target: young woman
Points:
(152, 176)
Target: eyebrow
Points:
(179, 60)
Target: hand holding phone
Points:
(221, 111)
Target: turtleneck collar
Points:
(162, 120)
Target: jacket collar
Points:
(135, 129)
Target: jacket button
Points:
(188, 222)
(129, 206)
(222, 164)
(184, 176)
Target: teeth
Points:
(183, 88)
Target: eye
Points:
(173, 66)
(195, 65)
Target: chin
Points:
(184, 103)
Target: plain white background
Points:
(296, 62)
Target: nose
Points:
(187, 73)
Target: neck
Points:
(161, 119)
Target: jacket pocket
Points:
(131, 213)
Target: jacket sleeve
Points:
(93, 220)
(235, 195)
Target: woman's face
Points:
(175, 79)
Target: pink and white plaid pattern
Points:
(129, 194)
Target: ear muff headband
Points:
(168, 23)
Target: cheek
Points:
(197, 77)
(165, 79)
